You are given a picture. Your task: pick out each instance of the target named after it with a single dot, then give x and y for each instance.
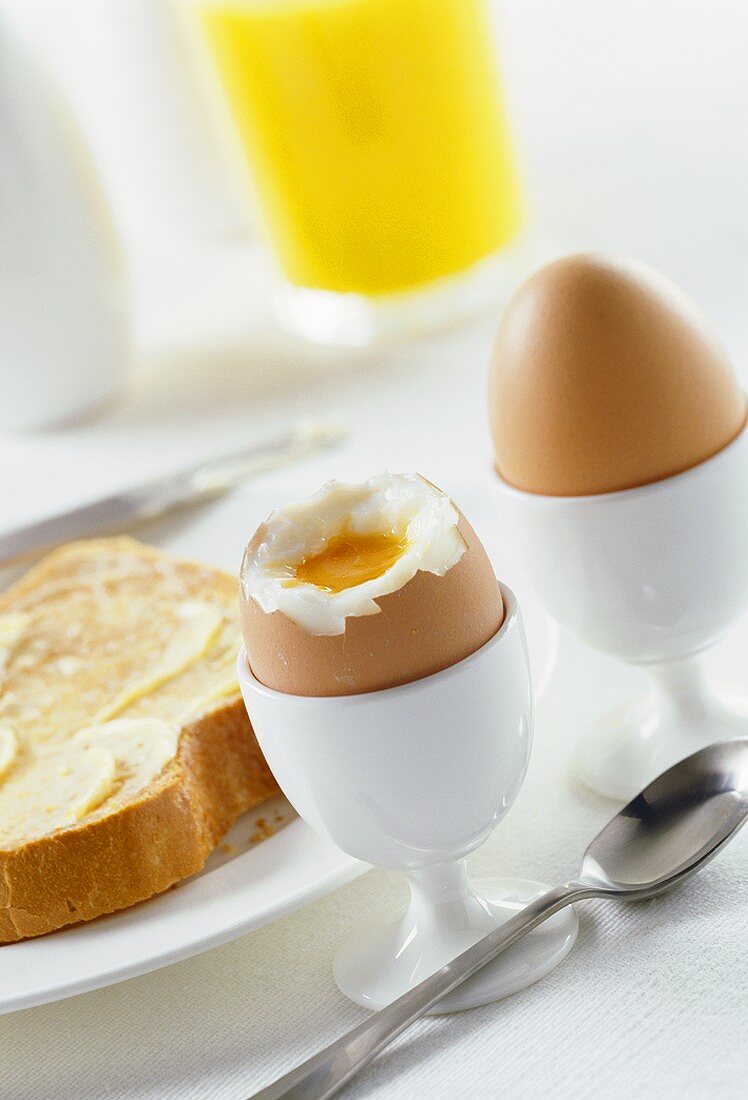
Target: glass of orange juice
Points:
(382, 162)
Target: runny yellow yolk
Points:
(349, 559)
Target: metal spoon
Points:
(671, 829)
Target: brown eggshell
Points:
(427, 625)
(605, 377)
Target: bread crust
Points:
(143, 848)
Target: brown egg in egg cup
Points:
(396, 713)
(621, 451)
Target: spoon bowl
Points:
(674, 825)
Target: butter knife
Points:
(149, 500)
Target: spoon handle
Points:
(324, 1073)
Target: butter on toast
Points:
(125, 749)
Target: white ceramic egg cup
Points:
(655, 576)
(414, 778)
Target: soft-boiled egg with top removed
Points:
(605, 376)
(364, 587)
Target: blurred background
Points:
(627, 130)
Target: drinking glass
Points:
(380, 155)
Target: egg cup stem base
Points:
(447, 914)
(627, 748)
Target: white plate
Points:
(238, 889)
(227, 898)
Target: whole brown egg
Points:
(604, 377)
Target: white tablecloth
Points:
(634, 119)
(652, 1000)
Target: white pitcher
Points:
(64, 310)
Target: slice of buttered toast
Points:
(125, 750)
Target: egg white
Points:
(404, 503)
